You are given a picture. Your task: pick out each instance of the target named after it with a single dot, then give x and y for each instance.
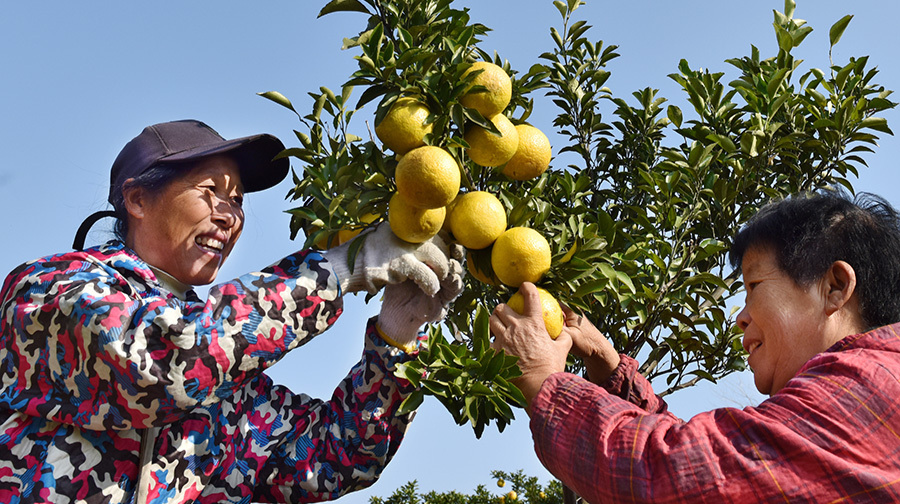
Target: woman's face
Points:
(783, 323)
(189, 228)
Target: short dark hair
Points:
(809, 232)
(153, 180)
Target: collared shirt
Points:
(170, 283)
(832, 434)
(94, 350)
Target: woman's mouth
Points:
(210, 244)
(751, 346)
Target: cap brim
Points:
(254, 154)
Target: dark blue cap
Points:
(188, 140)
(178, 142)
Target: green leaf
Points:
(561, 7)
(608, 271)
(775, 83)
(837, 29)
(411, 403)
(470, 411)
(515, 396)
(674, 114)
(800, 34)
(278, 98)
(355, 247)
(476, 117)
(448, 355)
(480, 389)
(789, 6)
(410, 372)
(557, 38)
(876, 123)
(436, 388)
(319, 105)
(481, 335)
(292, 152)
(785, 40)
(591, 287)
(494, 365)
(723, 141)
(343, 6)
(303, 212)
(626, 280)
(370, 94)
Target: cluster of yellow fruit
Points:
(512, 496)
(345, 234)
(522, 151)
(427, 178)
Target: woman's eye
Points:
(238, 200)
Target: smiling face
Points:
(784, 324)
(189, 228)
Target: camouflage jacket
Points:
(94, 352)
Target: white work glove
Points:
(405, 307)
(385, 259)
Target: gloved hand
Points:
(405, 307)
(385, 259)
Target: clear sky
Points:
(80, 79)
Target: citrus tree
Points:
(631, 223)
(512, 488)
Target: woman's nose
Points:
(226, 214)
(743, 319)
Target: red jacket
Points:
(832, 434)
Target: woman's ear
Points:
(840, 285)
(135, 199)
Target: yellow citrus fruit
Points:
(403, 128)
(478, 218)
(512, 495)
(498, 89)
(500, 483)
(450, 206)
(489, 149)
(532, 156)
(550, 309)
(343, 235)
(519, 255)
(483, 276)
(323, 243)
(428, 177)
(348, 233)
(411, 223)
(326, 240)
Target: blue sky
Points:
(79, 79)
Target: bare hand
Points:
(599, 356)
(526, 336)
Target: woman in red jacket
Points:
(820, 324)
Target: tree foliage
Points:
(512, 488)
(641, 216)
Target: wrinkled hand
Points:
(596, 351)
(384, 259)
(406, 307)
(526, 336)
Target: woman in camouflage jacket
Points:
(119, 384)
